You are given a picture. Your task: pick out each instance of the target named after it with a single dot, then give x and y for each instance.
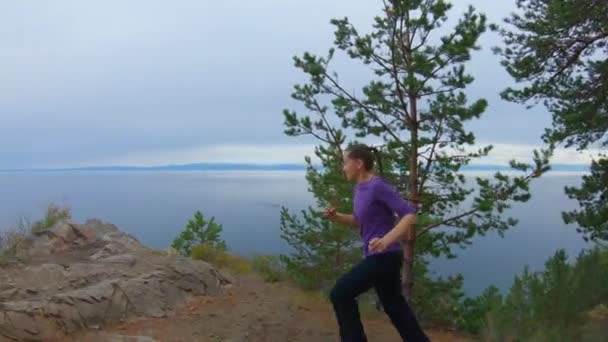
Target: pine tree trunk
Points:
(410, 241)
(408, 270)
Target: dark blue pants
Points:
(383, 272)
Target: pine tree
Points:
(322, 249)
(416, 104)
(199, 231)
(559, 50)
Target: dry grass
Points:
(54, 214)
(221, 259)
(12, 241)
(269, 267)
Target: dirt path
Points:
(251, 310)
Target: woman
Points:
(376, 205)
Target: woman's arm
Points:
(398, 233)
(345, 219)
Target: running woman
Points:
(377, 205)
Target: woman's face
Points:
(352, 167)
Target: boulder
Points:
(85, 276)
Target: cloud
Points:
(147, 82)
(295, 153)
(503, 153)
(221, 153)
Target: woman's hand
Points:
(402, 231)
(378, 245)
(334, 216)
(330, 214)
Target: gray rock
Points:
(108, 250)
(127, 259)
(84, 277)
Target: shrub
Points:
(54, 214)
(199, 231)
(269, 267)
(221, 259)
(12, 241)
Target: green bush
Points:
(436, 301)
(204, 252)
(562, 303)
(199, 231)
(53, 215)
(269, 267)
(478, 314)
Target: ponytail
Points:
(378, 158)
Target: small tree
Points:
(415, 103)
(199, 231)
(322, 249)
(559, 50)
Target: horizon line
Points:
(258, 167)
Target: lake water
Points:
(155, 206)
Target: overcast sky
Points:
(145, 82)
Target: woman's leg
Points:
(388, 287)
(347, 288)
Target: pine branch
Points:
(501, 195)
(311, 132)
(424, 38)
(446, 221)
(329, 127)
(401, 95)
(437, 92)
(360, 104)
(586, 43)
